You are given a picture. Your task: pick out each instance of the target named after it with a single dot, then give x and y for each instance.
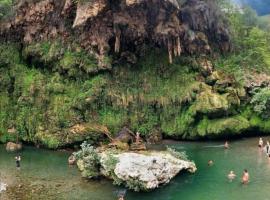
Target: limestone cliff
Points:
(82, 70)
(103, 26)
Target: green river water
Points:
(46, 175)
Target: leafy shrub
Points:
(261, 102)
(180, 155)
(109, 164)
(90, 160)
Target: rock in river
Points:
(138, 170)
(152, 169)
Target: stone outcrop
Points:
(145, 170)
(101, 26)
(152, 169)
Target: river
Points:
(45, 175)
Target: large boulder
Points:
(13, 146)
(150, 170)
(144, 170)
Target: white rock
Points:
(150, 169)
(3, 187)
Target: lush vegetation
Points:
(53, 92)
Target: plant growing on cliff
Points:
(180, 155)
(5, 8)
(261, 102)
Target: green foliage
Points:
(72, 61)
(109, 164)
(222, 127)
(135, 185)
(179, 155)
(9, 55)
(5, 8)
(261, 102)
(91, 160)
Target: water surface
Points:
(47, 175)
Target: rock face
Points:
(122, 26)
(151, 170)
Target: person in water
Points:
(245, 178)
(231, 175)
(260, 143)
(226, 145)
(121, 197)
(18, 161)
(267, 147)
(210, 162)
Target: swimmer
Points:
(260, 143)
(121, 198)
(226, 145)
(267, 147)
(231, 175)
(245, 178)
(210, 162)
(18, 161)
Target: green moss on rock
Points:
(222, 127)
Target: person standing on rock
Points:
(138, 138)
(18, 161)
